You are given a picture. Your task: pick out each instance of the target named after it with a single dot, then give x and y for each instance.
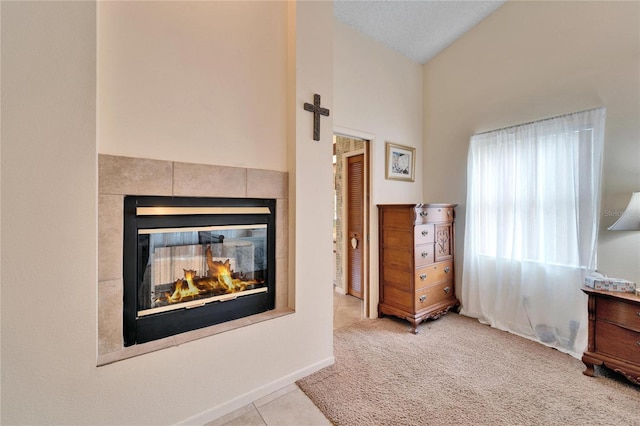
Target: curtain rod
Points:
(537, 121)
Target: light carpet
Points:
(458, 371)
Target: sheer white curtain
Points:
(532, 217)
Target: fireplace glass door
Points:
(193, 262)
(187, 268)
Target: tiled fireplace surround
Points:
(120, 176)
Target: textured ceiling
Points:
(417, 29)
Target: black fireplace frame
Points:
(164, 324)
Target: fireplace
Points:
(191, 262)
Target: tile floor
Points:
(289, 405)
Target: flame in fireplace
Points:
(180, 292)
(220, 279)
(220, 270)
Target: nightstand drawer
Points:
(618, 342)
(620, 312)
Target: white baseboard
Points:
(339, 290)
(247, 398)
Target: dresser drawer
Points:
(434, 214)
(617, 341)
(423, 255)
(619, 312)
(423, 234)
(434, 273)
(433, 294)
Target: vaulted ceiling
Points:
(417, 29)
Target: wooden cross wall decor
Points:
(317, 111)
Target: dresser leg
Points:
(589, 363)
(414, 324)
(589, 370)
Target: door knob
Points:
(354, 243)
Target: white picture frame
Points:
(400, 162)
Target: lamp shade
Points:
(630, 219)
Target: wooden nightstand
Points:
(614, 333)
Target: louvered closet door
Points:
(355, 224)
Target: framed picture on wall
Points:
(400, 162)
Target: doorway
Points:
(355, 225)
(351, 218)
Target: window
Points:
(529, 184)
(532, 218)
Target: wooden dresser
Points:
(614, 333)
(416, 261)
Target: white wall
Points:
(533, 60)
(311, 180)
(195, 82)
(49, 207)
(378, 92)
(49, 267)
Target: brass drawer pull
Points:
(446, 270)
(424, 254)
(423, 277)
(447, 290)
(425, 233)
(424, 297)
